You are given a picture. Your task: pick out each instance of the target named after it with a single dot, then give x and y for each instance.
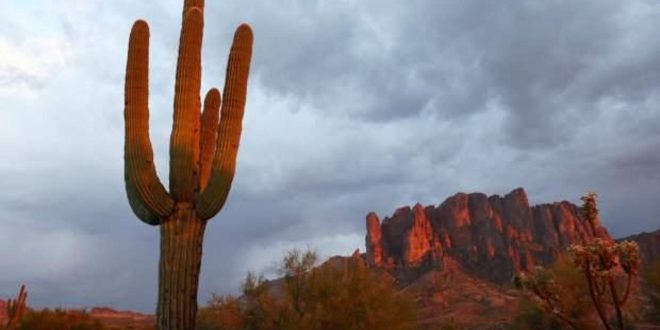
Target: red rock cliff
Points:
(493, 237)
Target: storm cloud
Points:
(353, 106)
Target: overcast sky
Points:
(352, 106)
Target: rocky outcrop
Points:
(492, 237)
(373, 240)
(409, 239)
(649, 245)
(419, 243)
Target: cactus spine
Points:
(16, 309)
(202, 157)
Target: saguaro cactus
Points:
(16, 309)
(202, 157)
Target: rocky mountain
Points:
(649, 245)
(492, 237)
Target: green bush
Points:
(335, 295)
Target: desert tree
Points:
(610, 268)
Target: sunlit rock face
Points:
(419, 243)
(373, 240)
(492, 237)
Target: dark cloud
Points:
(541, 63)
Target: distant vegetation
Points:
(59, 319)
(340, 295)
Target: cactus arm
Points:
(208, 136)
(21, 302)
(16, 309)
(147, 195)
(139, 209)
(211, 200)
(189, 4)
(184, 142)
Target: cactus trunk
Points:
(181, 241)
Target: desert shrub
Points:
(221, 313)
(59, 319)
(350, 296)
(557, 297)
(531, 316)
(260, 308)
(339, 295)
(573, 290)
(255, 309)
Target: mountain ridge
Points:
(493, 237)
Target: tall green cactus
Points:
(202, 157)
